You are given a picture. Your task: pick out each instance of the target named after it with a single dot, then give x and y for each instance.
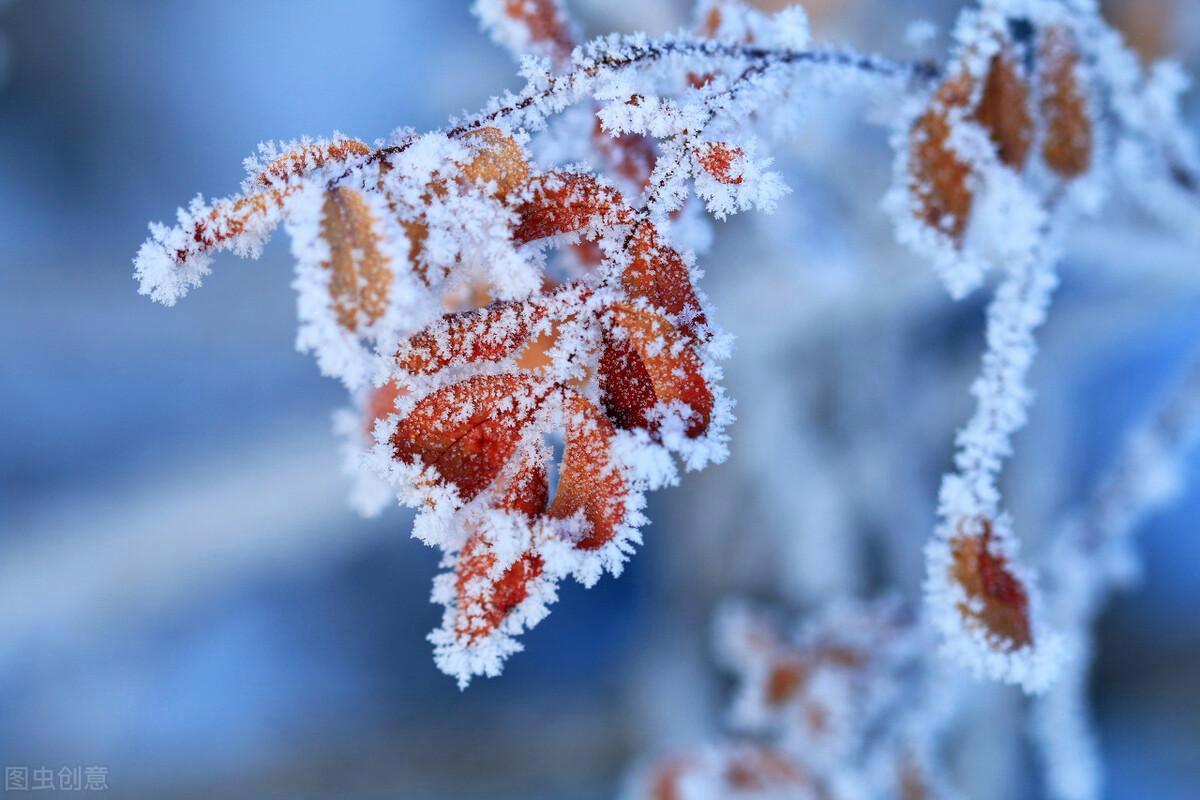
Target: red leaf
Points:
(482, 603)
(380, 404)
(658, 275)
(588, 481)
(470, 430)
(646, 362)
(1067, 148)
(482, 334)
(986, 578)
(719, 160)
(567, 202)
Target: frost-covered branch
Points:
(513, 301)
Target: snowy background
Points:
(185, 598)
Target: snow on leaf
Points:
(1067, 147)
(174, 260)
(590, 483)
(361, 276)
(483, 597)
(940, 178)
(646, 363)
(483, 601)
(484, 334)
(381, 404)
(995, 597)
(721, 161)
(466, 433)
(568, 202)
(497, 161)
(659, 275)
(1003, 110)
(488, 333)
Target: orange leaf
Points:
(986, 578)
(470, 430)
(719, 159)
(939, 177)
(230, 218)
(1003, 111)
(588, 481)
(497, 159)
(646, 362)
(380, 404)
(484, 603)
(658, 275)
(482, 334)
(361, 278)
(567, 202)
(1067, 148)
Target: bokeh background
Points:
(185, 598)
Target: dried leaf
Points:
(940, 180)
(483, 334)
(1003, 110)
(361, 277)
(1067, 147)
(567, 202)
(721, 160)
(997, 599)
(381, 403)
(589, 481)
(646, 362)
(483, 601)
(497, 160)
(659, 275)
(229, 219)
(489, 333)
(468, 431)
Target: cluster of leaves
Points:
(818, 712)
(1021, 133)
(519, 283)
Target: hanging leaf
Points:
(996, 599)
(482, 599)
(468, 431)
(645, 363)
(1067, 147)
(568, 202)
(658, 274)
(1003, 110)
(489, 333)
(939, 177)
(361, 279)
(589, 483)
(484, 602)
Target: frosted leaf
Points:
(537, 27)
(174, 260)
(527, 277)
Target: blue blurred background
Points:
(185, 598)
